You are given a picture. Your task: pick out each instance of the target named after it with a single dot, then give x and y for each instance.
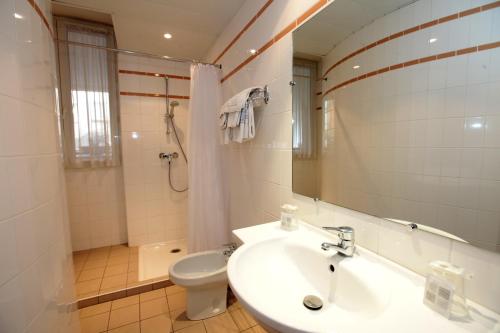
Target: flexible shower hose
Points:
(183, 154)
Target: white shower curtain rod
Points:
(139, 53)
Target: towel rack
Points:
(260, 94)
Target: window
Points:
(88, 95)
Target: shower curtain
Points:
(208, 226)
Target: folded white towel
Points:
(237, 102)
(237, 118)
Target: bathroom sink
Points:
(362, 293)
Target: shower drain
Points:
(175, 250)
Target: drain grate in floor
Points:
(175, 250)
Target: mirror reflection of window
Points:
(304, 76)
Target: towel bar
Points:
(260, 94)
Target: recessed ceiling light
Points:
(252, 51)
(356, 66)
(18, 16)
(156, 74)
(167, 35)
(432, 40)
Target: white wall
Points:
(36, 278)
(155, 213)
(96, 204)
(260, 171)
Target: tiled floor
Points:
(158, 311)
(106, 269)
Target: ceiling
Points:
(140, 24)
(337, 21)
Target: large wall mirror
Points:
(396, 113)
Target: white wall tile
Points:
(149, 201)
(35, 244)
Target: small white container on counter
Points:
(288, 219)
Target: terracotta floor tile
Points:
(95, 263)
(124, 316)
(154, 307)
(130, 328)
(177, 301)
(197, 328)
(243, 319)
(174, 289)
(150, 295)
(95, 310)
(180, 320)
(91, 274)
(98, 255)
(87, 295)
(157, 324)
(233, 305)
(133, 266)
(87, 287)
(76, 274)
(222, 323)
(117, 260)
(255, 329)
(100, 249)
(80, 255)
(118, 246)
(94, 324)
(116, 270)
(117, 251)
(117, 281)
(78, 266)
(124, 302)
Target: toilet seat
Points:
(199, 269)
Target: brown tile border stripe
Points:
(415, 29)
(277, 37)
(170, 76)
(245, 28)
(89, 301)
(139, 94)
(38, 10)
(473, 49)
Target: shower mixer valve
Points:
(168, 156)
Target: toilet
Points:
(204, 276)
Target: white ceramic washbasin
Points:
(364, 293)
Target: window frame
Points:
(72, 158)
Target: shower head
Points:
(170, 113)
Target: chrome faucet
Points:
(345, 245)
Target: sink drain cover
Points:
(313, 302)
